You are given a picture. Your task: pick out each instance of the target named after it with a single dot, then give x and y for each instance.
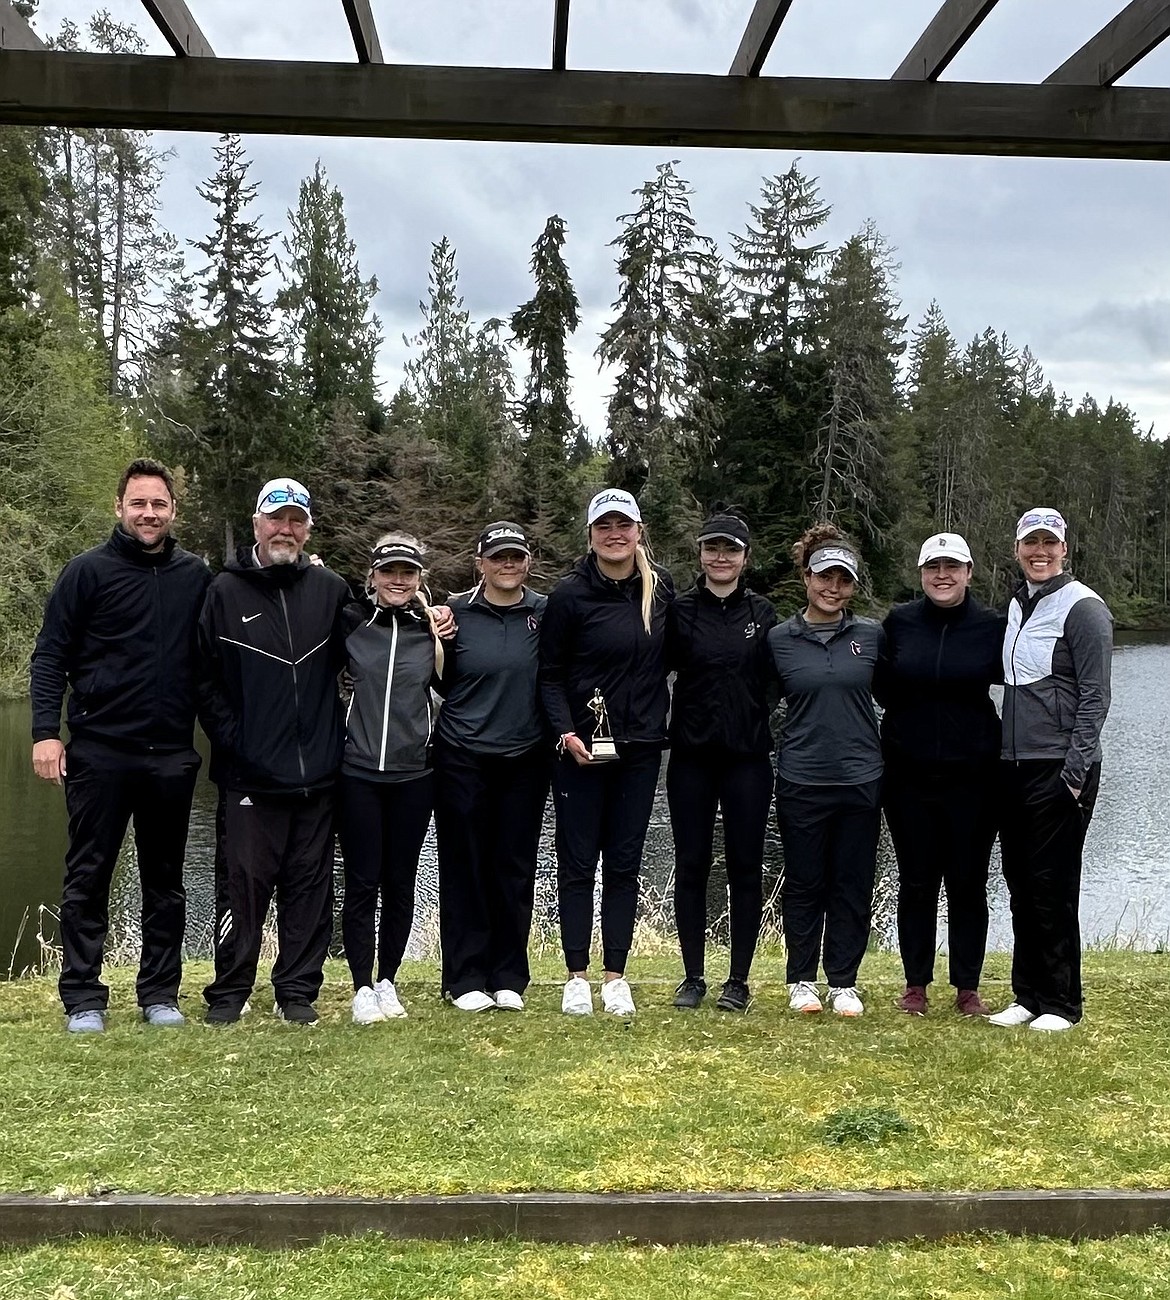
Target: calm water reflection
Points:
(1125, 895)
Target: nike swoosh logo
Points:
(247, 618)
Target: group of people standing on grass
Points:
(568, 691)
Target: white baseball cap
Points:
(1041, 519)
(280, 492)
(834, 557)
(615, 501)
(944, 546)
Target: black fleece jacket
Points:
(119, 629)
(272, 643)
(718, 646)
(592, 638)
(933, 682)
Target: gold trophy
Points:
(601, 748)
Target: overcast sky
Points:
(1069, 257)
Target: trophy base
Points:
(603, 751)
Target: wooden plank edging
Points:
(667, 1218)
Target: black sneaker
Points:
(690, 992)
(735, 996)
(223, 1013)
(296, 1013)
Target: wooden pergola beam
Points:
(174, 20)
(364, 30)
(560, 46)
(1120, 44)
(758, 36)
(946, 34)
(666, 110)
(15, 33)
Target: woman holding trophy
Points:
(603, 688)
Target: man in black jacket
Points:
(272, 643)
(119, 631)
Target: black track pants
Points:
(1042, 836)
(282, 845)
(602, 812)
(382, 827)
(105, 790)
(942, 819)
(488, 812)
(699, 784)
(830, 838)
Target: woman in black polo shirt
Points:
(492, 769)
(720, 753)
(829, 767)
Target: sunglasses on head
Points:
(287, 497)
(1042, 521)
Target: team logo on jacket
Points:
(533, 623)
(855, 646)
(750, 631)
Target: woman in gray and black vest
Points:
(829, 767)
(493, 765)
(720, 753)
(386, 795)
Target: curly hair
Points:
(820, 534)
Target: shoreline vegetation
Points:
(446, 1102)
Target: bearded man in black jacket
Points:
(272, 643)
(119, 631)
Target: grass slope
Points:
(446, 1102)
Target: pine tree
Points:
(543, 325)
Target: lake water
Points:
(1125, 892)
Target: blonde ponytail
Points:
(649, 581)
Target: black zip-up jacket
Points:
(390, 657)
(933, 679)
(718, 647)
(272, 643)
(592, 638)
(119, 629)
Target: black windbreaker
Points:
(933, 681)
(119, 629)
(592, 638)
(272, 643)
(718, 646)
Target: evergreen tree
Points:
(542, 326)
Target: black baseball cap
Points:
(388, 553)
(730, 528)
(503, 535)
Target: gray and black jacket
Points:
(830, 731)
(390, 658)
(1056, 663)
(490, 695)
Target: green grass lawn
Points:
(446, 1102)
(368, 1268)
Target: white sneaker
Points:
(366, 1010)
(476, 1000)
(1011, 1016)
(616, 998)
(577, 999)
(388, 1003)
(846, 1002)
(1051, 1024)
(803, 996)
(509, 1000)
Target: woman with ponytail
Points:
(602, 642)
(393, 658)
(828, 774)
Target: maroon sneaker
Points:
(913, 1001)
(969, 1003)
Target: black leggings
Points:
(602, 811)
(700, 783)
(382, 826)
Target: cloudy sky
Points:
(1069, 257)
